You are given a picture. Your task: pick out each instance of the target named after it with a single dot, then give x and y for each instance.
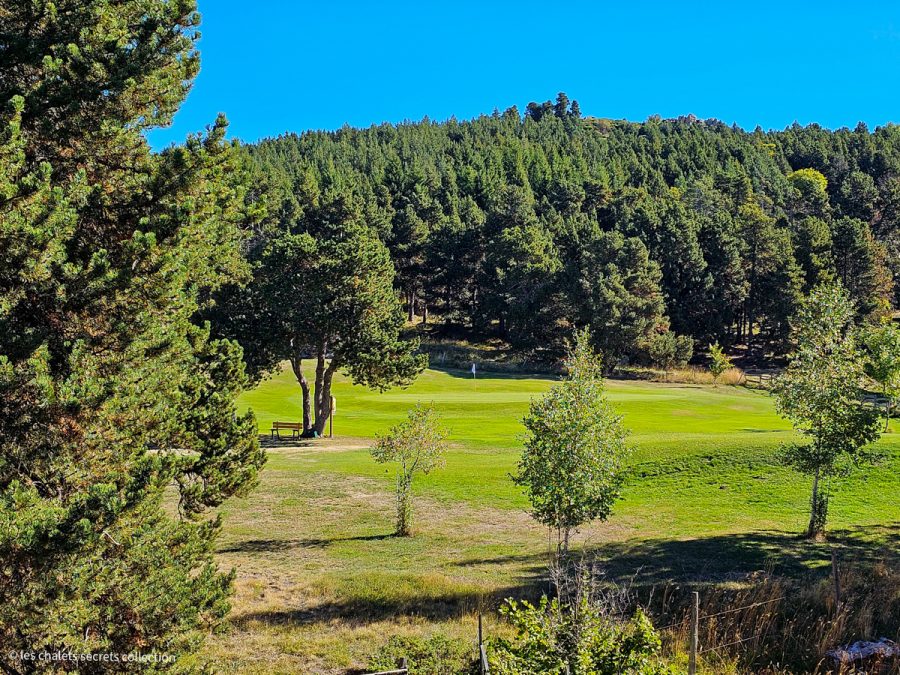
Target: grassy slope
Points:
(320, 582)
(704, 454)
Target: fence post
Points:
(482, 660)
(837, 581)
(695, 633)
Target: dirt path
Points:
(292, 446)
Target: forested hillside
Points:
(521, 226)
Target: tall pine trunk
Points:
(411, 306)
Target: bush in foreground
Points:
(579, 639)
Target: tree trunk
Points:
(817, 513)
(320, 388)
(448, 306)
(887, 416)
(404, 505)
(324, 378)
(750, 319)
(411, 306)
(424, 313)
(297, 367)
(562, 542)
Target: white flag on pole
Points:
(473, 369)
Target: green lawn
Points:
(715, 444)
(321, 582)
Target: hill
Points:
(519, 226)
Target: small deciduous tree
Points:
(417, 444)
(883, 361)
(812, 190)
(575, 449)
(819, 394)
(719, 362)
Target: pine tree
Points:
(109, 392)
(561, 107)
(860, 264)
(322, 292)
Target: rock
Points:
(864, 650)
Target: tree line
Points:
(523, 226)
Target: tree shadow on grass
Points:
(729, 557)
(359, 611)
(287, 441)
(279, 545)
(643, 565)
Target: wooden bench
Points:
(296, 428)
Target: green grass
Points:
(486, 413)
(321, 583)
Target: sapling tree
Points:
(882, 344)
(575, 449)
(819, 394)
(719, 362)
(417, 445)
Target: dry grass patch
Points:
(322, 583)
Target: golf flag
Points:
(473, 370)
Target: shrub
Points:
(669, 351)
(719, 363)
(579, 639)
(426, 656)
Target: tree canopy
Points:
(323, 292)
(572, 466)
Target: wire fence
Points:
(693, 621)
(713, 646)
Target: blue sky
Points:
(278, 66)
